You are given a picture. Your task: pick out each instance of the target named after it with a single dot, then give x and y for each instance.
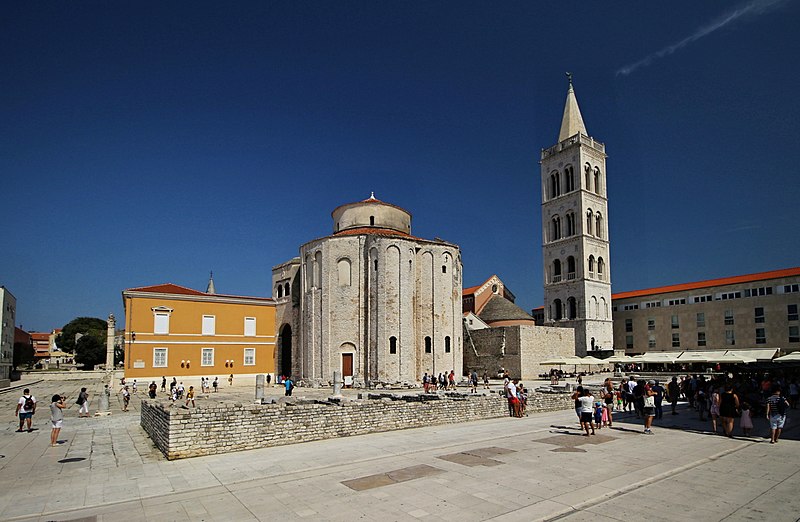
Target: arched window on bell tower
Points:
(558, 312)
(591, 266)
(569, 178)
(556, 225)
(588, 171)
(598, 221)
(589, 222)
(571, 230)
(556, 270)
(570, 268)
(597, 183)
(572, 308)
(555, 185)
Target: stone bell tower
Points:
(577, 283)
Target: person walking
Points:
(586, 401)
(673, 393)
(215, 384)
(607, 393)
(190, 397)
(485, 380)
(648, 400)
(56, 418)
(83, 402)
(230, 380)
(152, 389)
(777, 405)
(163, 384)
(26, 407)
(289, 384)
(126, 397)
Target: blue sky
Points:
(151, 142)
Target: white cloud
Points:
(748, 10)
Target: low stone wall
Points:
(223, 428)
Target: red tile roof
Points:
(470, 290)
(170, 288)
(749, 278)
(373, 231)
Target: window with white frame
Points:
(161, 323)
(701, 338)
(250, 326)
(729, 317)
(249, 356)
(791, 312)
(159, 357)
(207, 357)
(730, 337)
(209, 325)
(761, 336)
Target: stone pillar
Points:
(112, 323)
(259, 387)
(337, 383)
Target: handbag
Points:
(649, 402)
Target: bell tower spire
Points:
(210, 288)
(572, 121)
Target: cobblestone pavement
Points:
(535, 468)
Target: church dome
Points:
(371, 213)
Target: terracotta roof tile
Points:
(748, 278)
(373, 231)
(170, 288)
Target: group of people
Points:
(445, 381)
(517, 397)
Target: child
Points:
(190, 396)
(598, 414)
(606, 407)
(618, 396)
(746, 422)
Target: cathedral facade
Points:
(370, 300)
(577, 282)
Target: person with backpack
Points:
(776, 413)
(83, 402)
(26, 407)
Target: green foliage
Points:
(119, 355)
(23, 355)
(90, 348)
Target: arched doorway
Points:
(286, 350)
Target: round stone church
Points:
(370, 300)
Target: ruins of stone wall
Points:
(223, 428)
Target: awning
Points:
(593, 360)
(657, 357)
(623, 359)
(792, 357)
(759, 354)
(566, 359)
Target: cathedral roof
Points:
(371, 200)
(499, 308)
(375, 231)
(572, 121)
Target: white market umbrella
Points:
(792, 357)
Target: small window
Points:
(676, 340)
(286, 289)
(159, 357)
(447, 344)
(209, 325)
(372, 221)
(675, 322)
(730, 338)
(250, 326)
(375, 264)
(628, 325)
(728, 317)
(651, 341)
(249, 356)
(759, 313)
(651, 324)
(761, 336)
(629, 342)
(701, 320)
(428, 346)
(791, 312)
(280, 290)
(444, 269)
(701, 338)
(207, 357)
(794, 334)
(393, 344)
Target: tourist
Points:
(134, 387)
(126, 398)
(659, 399)
(607, 393)
(56, 418)
(513, 399)
(426, 382)
(172, 385)
(586, 401)
(451, 380)
(180, 389)
(230, 380)
(522, 395)
(163, 384)
(673, 393)
(190, 397)
(746, 422)
(269, 378)
(152, 389)
(713, 410)
(576, 396)
(637, 392)
(648, 398)
(700, 401)
(289, 384)
(26, 407)
(83, 402)
(728, 409)
(623, 392)
(598, 413)
(485, 380)
(473, 381)
(776, 413)
(215, 384)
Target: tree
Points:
(86, 338)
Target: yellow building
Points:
(174, 331)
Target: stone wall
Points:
(517, 349)
(223, 428)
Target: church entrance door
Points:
(286, 350)
(347, 368)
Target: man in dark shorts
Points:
(26, 407)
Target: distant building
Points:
(370, 300)
(9, 314)
(172, 330)
(577, 283)
(500, 335)
(41, 345)
(753, 311)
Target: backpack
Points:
(29, 404)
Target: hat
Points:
(651, 382)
